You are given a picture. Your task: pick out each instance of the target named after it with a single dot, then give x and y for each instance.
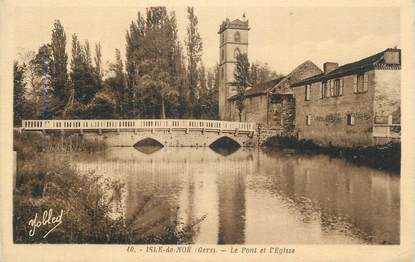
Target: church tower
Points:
(233, 37)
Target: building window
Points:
(337, 87)
(237, 37)
(350, 120)
(361, 83)
(307, 92)
(222, 38)
(308, 120)
(324, 90)
(236, 53)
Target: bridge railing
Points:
(136, 124)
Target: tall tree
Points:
(183, 90)
(134, 54)
(19, 101)
(201, 108)
(58, 68)
(213, 92)
(47, 104)
(241, 75)
(33, 78)
(83, 74)
(98, 64)
(194, 53)
(155, 69)
(117, 83)
(260, 73)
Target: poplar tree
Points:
(117, 83)
(58, 68)
(83, 73)
(241, 75)
(132, 101)
(19, 101)
(194, 54)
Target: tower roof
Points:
(235, 24)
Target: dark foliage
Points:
(387, 157)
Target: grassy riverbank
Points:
(45, 182)
(385, 157)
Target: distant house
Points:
(354, 104)
(271, 104)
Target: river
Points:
(255, 196)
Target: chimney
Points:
(330, 66)
(392, 56)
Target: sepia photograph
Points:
(168, 127)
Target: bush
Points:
(386, 157)
(46, 181)
(28, 143)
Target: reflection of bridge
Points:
(169, 132)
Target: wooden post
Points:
(388, 130)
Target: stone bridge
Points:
(168, 132)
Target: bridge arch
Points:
(224, 136)
(149, 139)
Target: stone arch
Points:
(216, 138)
(149, 138)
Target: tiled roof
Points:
(363, 64)
(262, 88)
(299, 72)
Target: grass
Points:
(384, 157)
(45, 181)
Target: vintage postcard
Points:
(207, 131)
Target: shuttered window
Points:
(337, 87)
(365, 82)
(307, 92)
(331, 87)
(361, 83)
(350, 120)
(324, 90)
(308, 120)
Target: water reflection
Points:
(148, 149)
(148, 146)
(257, 197)
(225, 146)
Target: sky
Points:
(281, 36)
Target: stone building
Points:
(272, 104)
(233, 37)
(354, 104)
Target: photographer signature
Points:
(46, 220)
